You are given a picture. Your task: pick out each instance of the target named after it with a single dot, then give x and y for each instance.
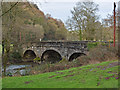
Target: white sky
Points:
(73, 0)
(60, 9)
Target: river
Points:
(19, 69)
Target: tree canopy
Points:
(84, 19)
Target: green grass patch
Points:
(92, 45)
(102, 75)
(0, 83)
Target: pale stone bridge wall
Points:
(65, 49)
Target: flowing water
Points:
(19, 69)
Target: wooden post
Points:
(114, 24)
(119, 30)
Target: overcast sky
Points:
(60, 9)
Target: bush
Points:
(37, 60)
(63, 60)
(82, 60)
(48, 67)
(15, 56)
(98, 54)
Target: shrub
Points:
(83, 60)
(98, 54)
(15, 57)
(63, 60)
(37, 60)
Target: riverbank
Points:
(102, 75)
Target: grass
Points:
(102, 75)
(92, 45)
(0, 83)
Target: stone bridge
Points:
(55, 50)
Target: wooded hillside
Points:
(28, 23)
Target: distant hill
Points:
(31, 24)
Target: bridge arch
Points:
(51, 56)
(29, 55)
(75, 55)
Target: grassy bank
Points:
(102, 75)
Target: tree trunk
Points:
(80, 33)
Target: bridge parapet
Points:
(75, 44)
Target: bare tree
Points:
(84, 17)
